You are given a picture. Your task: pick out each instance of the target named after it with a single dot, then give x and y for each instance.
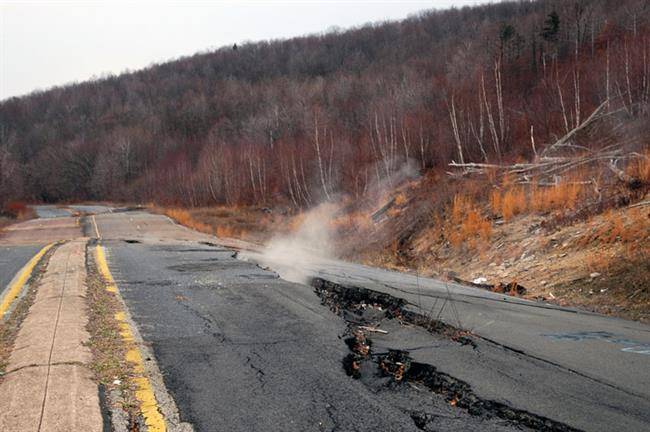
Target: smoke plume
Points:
(296, 256)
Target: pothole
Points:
(364, 310)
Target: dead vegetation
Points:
(15, 211)
(112, 371)
(253, 224)
(579, 239)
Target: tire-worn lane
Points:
(242, 350)
(12, 259)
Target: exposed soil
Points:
(599, 263)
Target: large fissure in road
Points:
(365, 310)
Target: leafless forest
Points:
(297, 121)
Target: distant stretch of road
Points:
(242, 349)
(51, 211)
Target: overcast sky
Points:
(49, 43)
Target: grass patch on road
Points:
(107, 346)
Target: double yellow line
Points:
(144, 391)
(20, 280)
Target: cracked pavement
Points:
(240, 349)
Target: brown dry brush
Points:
(561, 173)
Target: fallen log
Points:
(629, 181)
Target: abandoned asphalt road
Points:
(50, 211)
(589, 344)
(12, 259)
(240, 348)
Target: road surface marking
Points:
(96, 229)
(144, 391)
(632, 346)
(19, 281)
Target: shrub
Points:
(184, 217)
(467, 223)
(16, 209)
(513, 203)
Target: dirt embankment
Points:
(571, 243)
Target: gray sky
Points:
(52, 43)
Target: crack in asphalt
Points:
(559, 366)
(207, 322)
(507, 347)
(399, 365)
(259, 373)
(36, 365)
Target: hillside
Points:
(459, 143)
(299, 120)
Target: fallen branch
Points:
(630, 182)
(562, 141)
(373, 329)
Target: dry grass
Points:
(252, 224)
(400, 199)
(467, 225)
(554, 264)
(4, 222)
(509, 202)
(107, 345)
(352, 222)
(561, 196)
(616, 227)
(513, 203)
(184, 217)
(15, 211)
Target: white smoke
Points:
(296, 256)
(299, 255)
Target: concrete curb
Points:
(48, 383)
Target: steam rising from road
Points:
(297, 256)
(294, 255)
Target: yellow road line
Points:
(16, 287)
(144, 391)
(96, 229)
